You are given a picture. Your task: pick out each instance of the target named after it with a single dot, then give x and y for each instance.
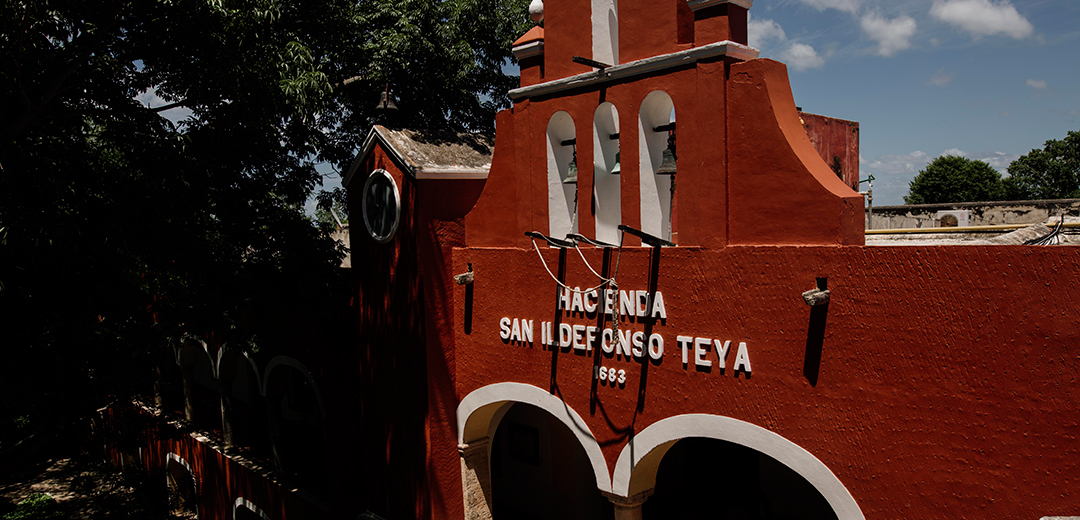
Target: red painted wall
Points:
(836, 140)
(945, 385)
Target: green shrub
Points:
(38, 506)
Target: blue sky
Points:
(986, 79)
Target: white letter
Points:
(624, 343)
(579, 334)
(546, 337)
(609, 301)
(642, 303)
(575, 304)
(515, 333)
(684, 342)
(721, 352)
(701, 346)
(626, 303)
(742, 358)
(605, 342)
(504, 328)
(565, 333)
(527, 330)
(564, 299)
(656, 346)
(595, 298)
(639, 342)
(590, 337)
(658, 305)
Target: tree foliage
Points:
(120, 228)
(950, 178)
(1051, 172)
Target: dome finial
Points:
(536, 11)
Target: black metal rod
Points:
(550, 240)
(652, 240)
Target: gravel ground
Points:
(86, 487)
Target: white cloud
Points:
(955, 151)
(999, 161)
(802, 57)
(983, 18)
(850, 6)
(908, 164)
(1036, 83)
(942, 78)
(892, 35)
(799, 55)
(761, 32)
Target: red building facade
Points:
(641, 381)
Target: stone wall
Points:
(973, 213)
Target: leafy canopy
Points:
(1051, 172)
(120, 228)
(950, 178)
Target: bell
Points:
(571, 171)
(667, 165)
(386, 101)
(617, 169)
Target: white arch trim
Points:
(288, 361)
(523, 393)
(739, 432)
(245, 503)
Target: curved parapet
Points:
(780, 191)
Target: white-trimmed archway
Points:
(288, 361)
(247, 504)
(480, 411)
(639, 460)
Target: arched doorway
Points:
(710, 478)
(763, 464)
(539, 470)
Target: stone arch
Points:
(635, 471)
(657, 110)
(243, 503)
(607, 193)
(202, 392)
(243, 409)
(296, 417)
(479, 413)
(562, 194)
(182, 482)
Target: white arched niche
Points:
(607, 199)
(656, 110)
(635, 471)
(605, 31)
(479, 414)
(562, 195)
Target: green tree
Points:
(950, 178)
(1051, 172)
(120, 229)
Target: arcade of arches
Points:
(531, 456)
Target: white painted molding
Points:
(743, 433)
(449, 174)
(702, 4)
(523, 393)
(637, 67)
(288, 361)
(528, 50)
(245, 503)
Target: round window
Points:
(381, 206)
